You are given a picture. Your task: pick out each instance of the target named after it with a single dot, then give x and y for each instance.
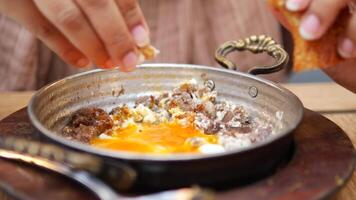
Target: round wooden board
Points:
(323, 160)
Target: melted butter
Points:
(149, 138)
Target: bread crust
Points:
(308, 55)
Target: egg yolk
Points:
(161, 138)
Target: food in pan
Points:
(308, 55)
(188, 119)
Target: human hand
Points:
(317, 17)
(81, 32)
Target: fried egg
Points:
(162, 138)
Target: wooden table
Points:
(331, 100)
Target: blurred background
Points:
(309, 77)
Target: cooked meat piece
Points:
(87, 123)
(148, 101)
(82, 133)
(183, 101)
(162, 96)
(240, 113)
(186, 87)
(186, 97)
(206, 89)
(171, 104)
(201, 121)
(227, 117)
(92, 117)
(213, 128)
(221, 106)
(235, 122)
(209, 126)
(199, 108)
(121, 113)
(201, 91)
(209, 109)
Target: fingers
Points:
(346, 46)
(110, 25)
(135, 21)
(106, 32)
(68, 18)
(29, 16)
(319, 16)
(297, 5)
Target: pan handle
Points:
(55, 158)
(255, 44)
(86, 169)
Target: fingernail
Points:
(140, 36)
(83, 62)
(130, 61)
(309, 27)
(295, 5)
(109, 64)
(346, 48)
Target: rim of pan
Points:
(154, 157)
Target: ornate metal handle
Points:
(116, 174)
(255, 44)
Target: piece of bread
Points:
(321, 53)
(149, 52)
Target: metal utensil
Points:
(81, 168)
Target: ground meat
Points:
(186, 87)
(199, 108)
(241, 114)
(188, 103)
(148, 101)
(206, 124)
(81, 133)
(213, 128)
(209, 109)
(222, 106)
(87, 123)
(227, 117)
(121, 113)
(162, 96)
(183, 101)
